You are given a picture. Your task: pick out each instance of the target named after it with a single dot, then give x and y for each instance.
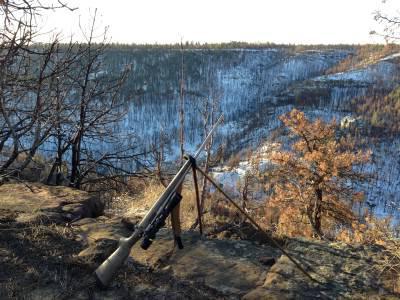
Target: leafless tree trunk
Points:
(182, 105)
(26, 73)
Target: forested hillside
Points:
(251, 86)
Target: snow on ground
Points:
(384, 70)
(390, 57)
(232, 179)
(383, 192)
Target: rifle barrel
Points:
(220, 119)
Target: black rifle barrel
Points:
(106, 271)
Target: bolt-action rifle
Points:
(154, 219)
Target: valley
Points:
(252, 88)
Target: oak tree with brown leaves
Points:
(313, 182)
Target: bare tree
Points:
(209, 112)
(182, 104)
(27, 73)
(59, 98)
(391, 24)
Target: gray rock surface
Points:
(236, 268)
(342, 271)
(228, 266)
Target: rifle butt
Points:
(107, 270)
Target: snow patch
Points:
(390, 57)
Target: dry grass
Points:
(391, 265)
(218, 213)
(378, 232)
(38, 257)
(216, 210)
(142, 202)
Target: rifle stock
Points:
(107, 270)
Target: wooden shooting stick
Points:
(196, 187)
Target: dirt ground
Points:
(41, 262)
(45, 255)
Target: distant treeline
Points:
(230, 45)
(245, 45)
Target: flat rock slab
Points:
(243, 269)
(343, 272)
(228, 266)
(35, 202)
(225, 265)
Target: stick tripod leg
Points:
(176, 222)
(196, 187)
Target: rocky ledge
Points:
(56, 259)
(247, 269)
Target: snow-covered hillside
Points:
(253, 87)
(247, 83)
